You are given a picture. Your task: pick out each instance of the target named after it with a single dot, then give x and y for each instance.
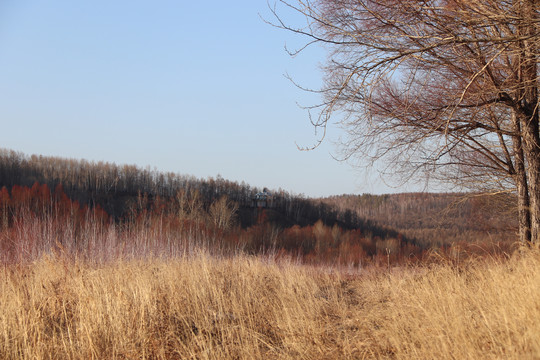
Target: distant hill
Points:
(118, 189)
(346, 227)
(437, 218)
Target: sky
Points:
(193, 87)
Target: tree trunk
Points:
(533, 170)
(531, 148)
(524, 214)
(528, 114)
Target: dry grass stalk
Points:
(242, 307)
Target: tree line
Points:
(438, 219)
(118, 189)
(83, 205)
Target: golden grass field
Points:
(203, 307)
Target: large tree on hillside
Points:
(443, 88)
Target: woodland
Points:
(102, 210)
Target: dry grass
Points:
(208, 308)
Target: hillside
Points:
(181, 210)
(435, 219)
(122, 189)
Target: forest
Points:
(103, 210)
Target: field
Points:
(188, 269)
(208, 307)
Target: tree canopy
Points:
(446, 89)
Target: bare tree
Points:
(447, 89)
(222, 212)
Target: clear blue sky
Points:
(191, 87)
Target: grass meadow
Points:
(203, 306)
(76, 285)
